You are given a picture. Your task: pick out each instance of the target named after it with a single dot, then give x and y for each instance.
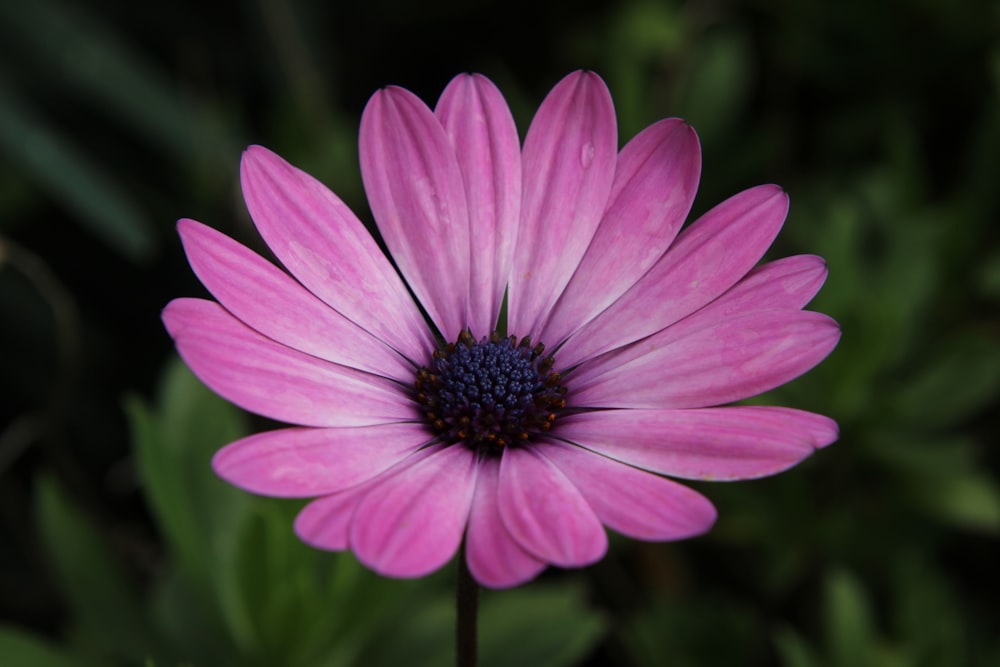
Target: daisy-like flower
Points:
(426, 412)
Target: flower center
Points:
(490, 394)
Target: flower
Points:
(427, 412)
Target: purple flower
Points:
(423, 418)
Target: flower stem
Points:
(466, 603)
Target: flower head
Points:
(426, 412)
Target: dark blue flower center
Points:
(490, 394)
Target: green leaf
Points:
(241, 573)
(424, 639)
(970, 500)
(955, 384)
(546, 626)
(683, 630)
(21, 649)
(916, 456)
(104, 604)
(850, 631)
(378, 607)
(793, 650)
(198, 513)
(537, 625)
(718, 83)
(943, 478)
(988, 277)
(642, 36)
(191, 621)
(927, 615)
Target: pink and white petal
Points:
(569, 165)
(494, 558)
(273, 380)
(481, 129)
(308, 462)
(727, 443)
(707, 259)
(787, 283)
(325, 523)
(721, 363)
(655, 184)
(415, 190)
(324, 245)
(268, 300)
(412, 522)
(633, 502)
(545, 513)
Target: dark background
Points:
(882, 121)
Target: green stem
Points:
(466, 599)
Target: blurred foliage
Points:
(882, 121)
(236, 587)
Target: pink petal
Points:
(737, 442)
(412, 522)
(270, 379)
(707, 259)
(266, 299)
(482, 131)
(325, 523)
(654, 186)
(323, 244)
(631, 501)
(569, 164)
(545, 513)
(787, 283)
(495, 559)
(724, 362)
(416, 194)
(790, 282)
(307, 462)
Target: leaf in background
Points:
(970, 500)
(793, 650)
(425, 639)
(21, 649)
(850, 633)
(848, 377)
(199, 514)
(174, 443)
(645, 36)
(365, 607)
(549, 626)
(307, 608)
(959, 381)
(87, 54)
(245, 590)
(273, 580)
(191, 621)
(73, 178)
(537, 625)
(920, 456)
(927, 617)
(684, 631)
(105, 606)
(988, 277)
(717, 85)
(942, 478)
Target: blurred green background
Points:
(882, 121)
